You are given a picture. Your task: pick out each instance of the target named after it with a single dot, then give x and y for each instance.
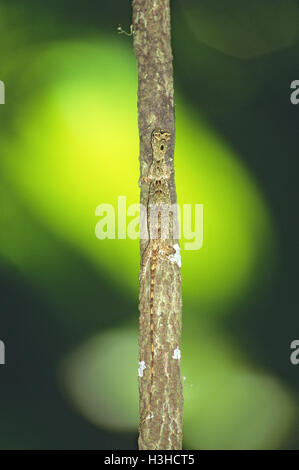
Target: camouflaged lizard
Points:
(159, 223)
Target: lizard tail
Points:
(153, 267)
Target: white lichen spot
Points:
(176, 354)
(151, 119)
(141, 368)
(176, 258)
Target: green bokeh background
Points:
(69, 142)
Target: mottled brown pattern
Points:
(161, 399)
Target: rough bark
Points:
(161, 400)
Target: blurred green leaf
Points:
(243, 29)
(228, 404)
(101, 379)
(77, 148)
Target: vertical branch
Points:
(161, 399)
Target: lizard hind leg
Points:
(166, 250)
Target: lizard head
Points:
(159, 143)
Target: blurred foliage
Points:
(243, 29)
(65, 182)
(227, 404)
(69, 142)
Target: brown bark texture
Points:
(160, 387)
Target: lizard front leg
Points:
(148, 178)
(146, 256)
(165, 250)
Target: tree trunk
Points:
(160, 387)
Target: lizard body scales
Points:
(159, 247)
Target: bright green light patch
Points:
(78, 148)
(236, 226)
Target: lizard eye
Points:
(162, 147)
